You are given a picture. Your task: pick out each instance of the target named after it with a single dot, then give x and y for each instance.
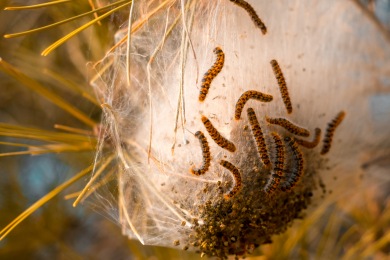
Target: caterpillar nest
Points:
(192, 61)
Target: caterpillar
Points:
(250, 94)
(279, 155)
(274, 181)
(252, 13)
(272, 184)
(217, 137)
(206, 155)
(297, 170)
(292, 128)
(237, 178)
(330, 132)
(312, 144)
(282, 85)
(211, 73)
(259, 138)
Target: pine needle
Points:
(93, 179)
(15, 131)
(27, 7)
(50, 26)
(42, 201)
(40, 89)
(73, 130)
(80, 29)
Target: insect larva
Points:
(292, 128)
(250, 94)
(252, 13)
(206, 155)
(217, 137)
(282, 85)
(279, 155)
(259, 138)
(297, 170)
(312, 144)
(211, 73)
(274, 181)
(272, 184)
(237, 178)
(330, 132)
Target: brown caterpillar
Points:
(252, 13)
(259, 138)
(237, 178)
(312, 144)
(206, 155)
(217, 137)
(282, 85)
(274, 181)
(272, 184)
(250, 94)
(297, 170)
(292, 128)
(330, 132)
(211, 73)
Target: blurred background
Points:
(57, 230)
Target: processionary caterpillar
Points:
(250, 94)
(282, 85)
(330, 132)
(274, 181)
(259, 138)
(297, 170)
(252, 13)
(312, 144)
(206, 155)
(211, 73)
(217, 137)
(292, 128)
(237, 178)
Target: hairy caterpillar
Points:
(310, 144)
(250, 94)
(330, 132)
(237, 178)
(292, 128)
(282, 85)
(278, 168)
(297, 170)
(259, 138)
(211, 73)
(252, 13)
(206, 154)
(217, 137)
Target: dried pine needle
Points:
(73, 130)
(80, 29)
(13, 8)
(108, 160)
(15, 131)
(50, 26)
